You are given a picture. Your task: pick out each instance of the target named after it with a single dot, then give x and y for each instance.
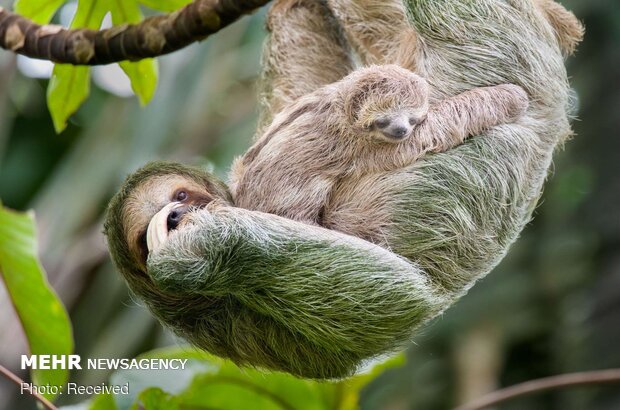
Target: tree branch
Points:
(14, 378)
(152, 37)
(540, 385)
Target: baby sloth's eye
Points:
(382, 122)
(181, 196)
(414, 120)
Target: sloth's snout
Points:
(396, 128)
(397, 131)
(175, 216)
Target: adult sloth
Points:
(275, 293)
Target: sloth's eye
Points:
(181, 196)
(414, 121)
(382, 123)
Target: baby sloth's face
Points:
(396, 125)
(393, 103)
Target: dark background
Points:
(552, 306)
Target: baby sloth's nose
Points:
(394, 128)
(175, 216)
(397, 131)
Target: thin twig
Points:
(14, 378)
(540, 385)
(152, 37)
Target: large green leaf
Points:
(103, 402)
(218, 383)
(211, 382)
(70, 85)
(143, 74)
(42, 315)
(67, 90)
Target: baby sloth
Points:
(374, 120)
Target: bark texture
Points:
(152, 37)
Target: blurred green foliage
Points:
(43, 317)
(210, 382)
(552, 306)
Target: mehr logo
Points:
(70, 362)
(51, 362)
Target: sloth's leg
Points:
(567, 28)
(470, 113)
(305, 50)
(378, 30)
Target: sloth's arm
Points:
(470, 113)
(319, 282)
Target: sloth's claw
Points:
(157, 232)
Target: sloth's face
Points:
(390, 103)
(393, 122)
(156, 207)
(397, 125)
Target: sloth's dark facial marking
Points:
(188, 200)
(144, 251)
(397, 126)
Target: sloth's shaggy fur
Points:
(275, 293)
(331, 134)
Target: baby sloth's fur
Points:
(333, 133)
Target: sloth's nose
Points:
(397, 131)
(175, 216)
(394, 128)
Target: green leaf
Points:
(209, 382)
(173, 381)
(67, 90)
(103, 402)
(165, 5)
(156, 399)
(352, 388)
(232, 388)
(43, 317)
(143, 74)
(70, 85)
(224, 385)
(39, 11)
(89, 14)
